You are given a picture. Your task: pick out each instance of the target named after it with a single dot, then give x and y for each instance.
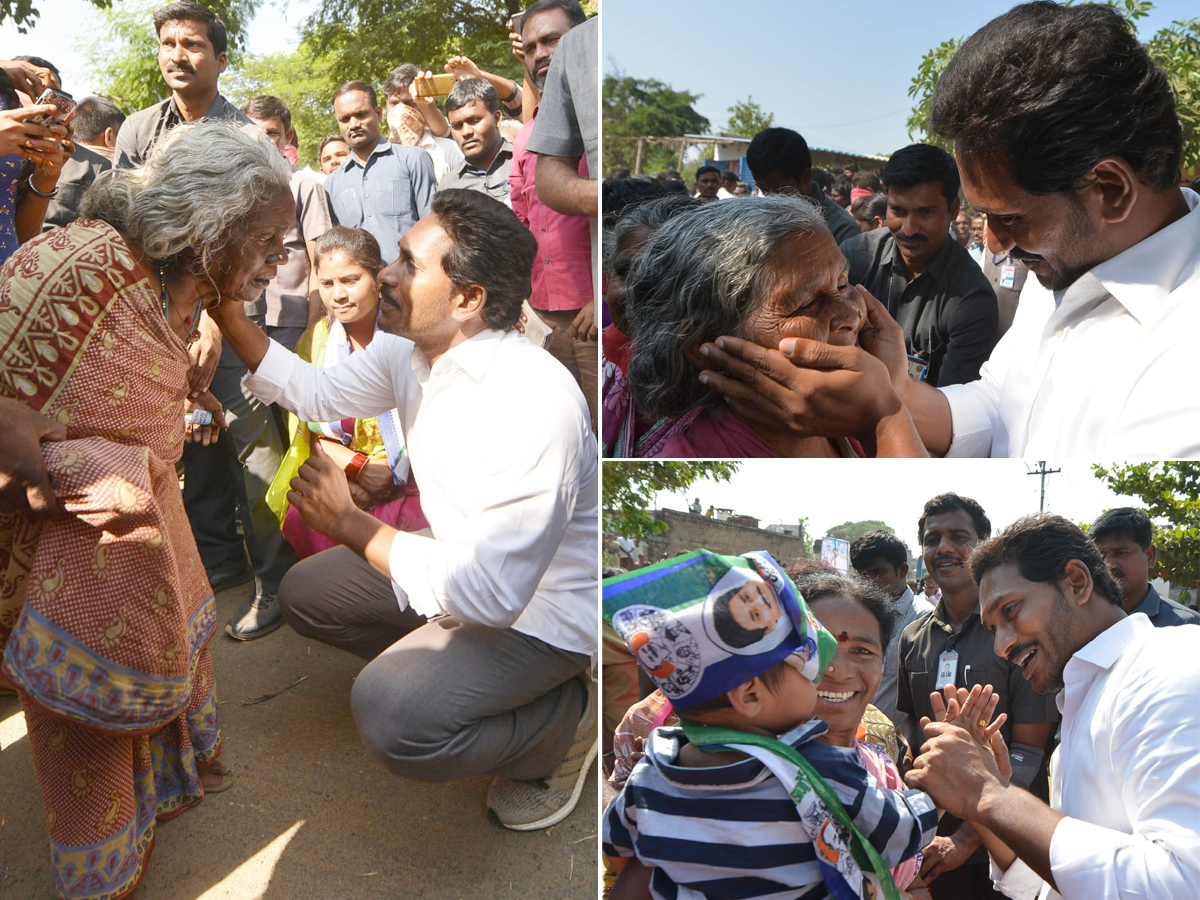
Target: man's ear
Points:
(1115, 188)
(222, 61)
(1152, 560)
(469, 302)
(1076, 582)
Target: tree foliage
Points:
(1176, 48)
(366, 39)
(125, 55)
(629, 489)
(1170, 494)
(23, 14)
(633, 108)
(747, 118)
(304, 80)
(852, 531)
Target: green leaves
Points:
(746, 119)
(635, 109)
(1170, 494)
(629, 489)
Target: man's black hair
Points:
(842, 185)
(870, 206)
(921, 164)
(489, 247)
(1054, 89)
(1126, 521)
(575, 13)
(704, 170)
(44, 63)
(728, 175)
(867, 181)
(187, 11)
(728, 628)
(878, 545)
(329, 139)
(822, 179)
(949, 502)
(778, 150)
(620, 194)
(264, 106)
(467, 91)
(347, 87)
(850, 167)
(93, 115)
(1041, 546)
(400, 79)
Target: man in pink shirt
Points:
(563, 294)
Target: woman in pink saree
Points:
(105, 612)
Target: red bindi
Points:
(843, 637)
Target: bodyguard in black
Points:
(928, 281)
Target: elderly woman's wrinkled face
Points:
(256, 250)
(811, 298)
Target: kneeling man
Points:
(479, 635)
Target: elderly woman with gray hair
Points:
(765, 269)
(106, 613)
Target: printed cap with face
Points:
(701, 624)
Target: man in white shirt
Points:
(1099, 360)
(1124, 814)
(480, 636)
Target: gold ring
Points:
(983, 723)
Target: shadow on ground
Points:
(311, 815)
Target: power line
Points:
(1043, 472)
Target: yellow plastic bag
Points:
(297, 453)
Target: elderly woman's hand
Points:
(204, 433)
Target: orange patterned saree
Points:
(105, 613)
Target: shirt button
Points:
(365, 196)
(546, 260)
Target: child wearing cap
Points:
(741, 800)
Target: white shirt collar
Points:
(473, 357)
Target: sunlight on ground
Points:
(250, 880)
(12, 730)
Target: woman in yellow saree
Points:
(105, 612)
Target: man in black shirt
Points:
(928, 282)
(781, 163)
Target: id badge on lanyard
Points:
(947, 668)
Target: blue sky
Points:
(838, 73)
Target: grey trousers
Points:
(440, 699)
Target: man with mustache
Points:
(237, 470)
(563, 296)
(192, 44)
(1125, 782)
(479, 635)
(1076, 162)
(951, 646)
(929, 282)
(382, 187)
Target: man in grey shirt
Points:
(781, 163)
(191, 54)
(473, 110)
(881, 557)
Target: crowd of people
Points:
(351, 373)
(878, 315)
(993, 731)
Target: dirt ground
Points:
(311, 815)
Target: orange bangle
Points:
(355, 466)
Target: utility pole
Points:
(1043, 472)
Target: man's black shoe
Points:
(259, 616)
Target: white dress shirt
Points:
(1106, 368)
(1127, 772)
(503, 452)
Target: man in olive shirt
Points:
(951, 646)
(929, 283)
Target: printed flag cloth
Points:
(701, 624)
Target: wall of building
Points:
(690, 531)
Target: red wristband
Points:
(356, 465)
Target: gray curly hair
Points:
(703, 274)
(200, 186)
